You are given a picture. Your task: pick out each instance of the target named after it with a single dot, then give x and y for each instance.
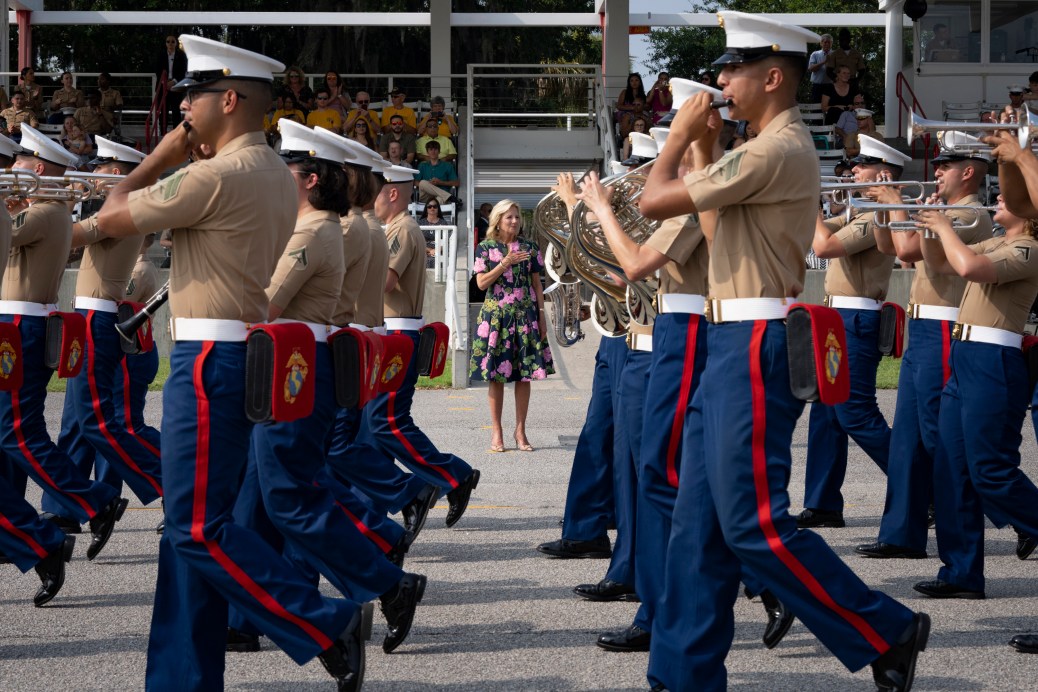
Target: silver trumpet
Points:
(18, 182)
(867, 206)
(920, 126)
(102, 182)
(840, 192)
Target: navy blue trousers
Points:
(732, 511)
(626, 444)
(24, 537)
(914, 436)
(89, 419)
(678, 359)
(387, 425)
(23, 433)
(977, 469)
(206, 560)
(859, 418)
(590, 505)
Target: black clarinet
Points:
(127, 328)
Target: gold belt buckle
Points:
(913, 310)
(656, 303)
(958, 331)
(630, 341)
(828, 300)
(712, 310)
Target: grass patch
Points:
(444, 381)
(889, 370)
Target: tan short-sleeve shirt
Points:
(370, 309)
(5, 244)
(111, 100)
(41, 237)
(308, 277)
(144, 281)
(681, 240)
(1006, 303)
(231, 216)
(407, 259)
(97, 122)
(107, 264)
(356, 250)
(864, 272)
(932, 288)
(67, 98)
(766, 194)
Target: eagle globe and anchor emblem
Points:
(8, 359)
(833, 357)
(75, 352)
(295, 378)
(394, 366)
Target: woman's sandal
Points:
(495, 448)
(527, 447)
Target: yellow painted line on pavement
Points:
(572, 398)
(461, 408)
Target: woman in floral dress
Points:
(510, 343)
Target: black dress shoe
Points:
(633, 638)
(399, 550)
(607, 590)
(1025, 643)
(942, 589)
(51, 570)
(66, 524)
(780, 619)
(416, 511)
(398, 606)
(102, 525)
(595, 550)
(895, 669)
(344, 660)
(1025, 545)
(242, 642)
(889, 550)
(819, 519)
(458, 499)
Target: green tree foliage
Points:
(688, 52)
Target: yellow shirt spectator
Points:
(328, 118)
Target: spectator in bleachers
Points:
(634, 89)
(640, 125)
(707, 78)
(447, 150)
(395, 155)
(431, 217)
(628, 119)
(171, 62)
(65, 100)
(847, 124)
(338, 97)
(16, 114)
(77, 141)
(1016, 102)
(838, 96)
(286, 110)
(436, 179)
(324, 116)
(848, 57)
(94, 120)
(660, 99)
(31, 91)
(396, 133)
(397, 96)
(816, 67)
(4, 101)
(362, 110)
(447, 126)
(866, 124)
(302, 94)
(361, 132)
(111, 99)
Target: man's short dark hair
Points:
(432, 144)
(322, 91)
(106, 75)
(394, 118)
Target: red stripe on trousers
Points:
(16, 409)
(399, 434)
(199, 508)
(6, 524)
(946, 349)
(678, 425)
(128, 410)
(379, 542)
(763, 491)
(95, 402)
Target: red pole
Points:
(24, 38)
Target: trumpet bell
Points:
(919, 126)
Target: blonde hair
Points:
(499, 210)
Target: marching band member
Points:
(232, 215)
(933, 308)
(757, 206)
(90, 404)
(855, 286)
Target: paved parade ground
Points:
(499, 616)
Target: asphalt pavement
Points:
(497, 615)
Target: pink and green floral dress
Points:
(509, 344)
